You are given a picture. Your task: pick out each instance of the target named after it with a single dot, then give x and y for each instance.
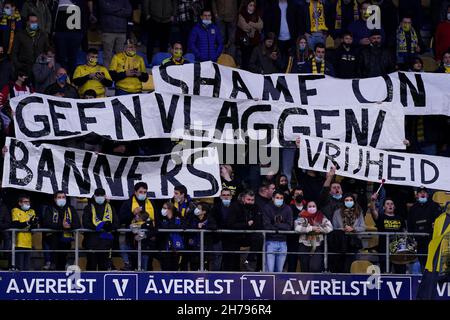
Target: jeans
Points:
(288, 157)
(315, 38)
(215, 259)
(67, 45)
(112, 43)
(275, 255)
(414, 267)
(123, 245)
(23, 259)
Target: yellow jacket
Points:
(23, 239)
(437, 243)
(84, 84)
(120, 63)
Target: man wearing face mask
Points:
(374, 59)
(276, 216)
(41, 10)
(10, 24)
(61, 216)
(218, 220)
(44, 70)
(128, 70)
(442, 37)
(100, 217)
(23, 217)
(177, 56)
(331, 195)
(346, 58)
(420, 219)
(205, 40)
(92, 76)
(61, 87)
(137, 204)
(318, 64)
(445, 65)
(28, 44)
(360, 28)
(408, 43)
(244, 215)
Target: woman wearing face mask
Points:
(199, 220)
(173, 241)
(298, 203)
(266, 58)
(248, 32)
(10, 23)
(301, 55)
(282, 184)
(312, 224)
(347, 221)
(100, 217)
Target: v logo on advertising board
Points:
(258, 287)
(121, 287)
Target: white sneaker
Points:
(48, 266)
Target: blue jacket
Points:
(114, 15)
(205, 42)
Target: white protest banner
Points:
(49, 168)
(418, 93)
(163, 115)
(370, 164)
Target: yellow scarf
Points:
(67, 219)
(314, 67)
(317, 16)
(148, 207)
(338, 24)
(437, 243)
(447, 69)
(107, 215)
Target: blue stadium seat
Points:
(159, 57)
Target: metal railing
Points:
(76, 250)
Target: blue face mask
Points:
(141, 196)
(100, 200)
(7, 11)
(278, 202)
(206, 22)
(337, 196)
(226, 202)
(61, 202)
(25, 207)
(62, 78)
(34, 26)
(349, 204)
(422, 200)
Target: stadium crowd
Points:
(111, 52)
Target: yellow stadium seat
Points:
(329, 43)
(226, 60)
(148, 86)
(37, 241)
(360, 266)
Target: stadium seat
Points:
(429, 64)
(370, 223)
(148, 86)
(159, 57)
(360, 266)
(329, 43)
(226, 60)
(441, 197)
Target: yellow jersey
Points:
(23, 239)
(121, 63)
(97, 86)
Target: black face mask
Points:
(283, 187)
(299, 198)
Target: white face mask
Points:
(300, 208)
(448, 16)
(164, 212)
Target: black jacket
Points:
(94, 240)
(238, 219)
(375, 62)
(57, 223)
(68, 91)
(5, 217)
(272, 19)
(327, 204)
(26, 49)
(420, 219)
(346, 62)
(279, 219)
